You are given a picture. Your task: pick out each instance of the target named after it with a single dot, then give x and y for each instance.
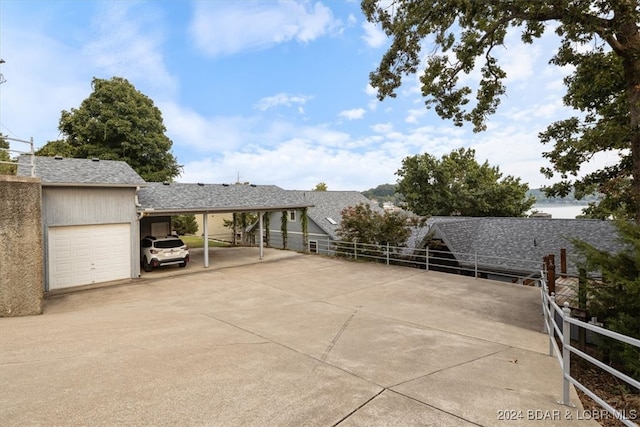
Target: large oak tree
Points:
(600, 38)
(117, 122)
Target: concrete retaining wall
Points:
(21, 263)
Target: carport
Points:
(167, 199)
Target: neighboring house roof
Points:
(519, 244)
(169, 198)
(329, 204)
(80, 172)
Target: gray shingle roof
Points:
(329, 204)
(61, 171)
(521, 239)
(182, 197)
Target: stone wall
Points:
(21, 263)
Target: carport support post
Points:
(261, 222)
(205, 238)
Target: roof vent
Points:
(95, 159)
(225, 185)
(253, 185)
(332, 221)
(58, 157)
(201, 184)
(165, 183)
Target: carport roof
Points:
(159, 198)
(80, 172)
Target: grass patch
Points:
(198, 242)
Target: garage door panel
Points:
(80, 255)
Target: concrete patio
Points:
(291, 340)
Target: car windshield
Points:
(167, 244)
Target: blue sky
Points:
(270, 92)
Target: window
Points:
(292, 216)
(313, 246)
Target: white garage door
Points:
(81, 255)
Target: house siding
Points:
(294, 233)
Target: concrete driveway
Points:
(300, 340)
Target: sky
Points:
(267, 92)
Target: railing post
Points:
(33, 160)
(426, 258)
(563, 263)
(387, 253)
(475, 264)
(355, 249)
(551, 320)
(566, 353)
(551, 273)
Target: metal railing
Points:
(550, 309)
(469, 264)
(15, 162)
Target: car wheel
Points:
(182, 264)
(146, 266)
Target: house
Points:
(324, 219)
(94, 213)
(511, 248)
(216, 228)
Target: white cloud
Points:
(373, 35)
(224, 28)
(280, 99)
(354, 114)
(307, 164)
(127, 43)
(413, 115)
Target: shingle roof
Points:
(329, 204)
(87, 172)
(501, 242)
(182, 197)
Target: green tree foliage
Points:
(184, 224)
(616, 299)
(5, 157)
(599, 38)
(59, 147)
(117, 122)
(362, 224)
(458, 185)
(384, 193)
(284, 219)
(321, 186)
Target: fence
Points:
(524, 271)
(551, 309)
(527, 272)
(15, 162)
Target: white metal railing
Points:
(470, 264)
(15, 162)
(550, 309)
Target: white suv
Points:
(158, 251)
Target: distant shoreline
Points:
(559, 210)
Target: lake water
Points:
(560, 211)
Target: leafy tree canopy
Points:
(363, 224)
(184, 224)
(321, 186)
(5, 169)
(600, 38)
(117, 122)
(458, 185)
